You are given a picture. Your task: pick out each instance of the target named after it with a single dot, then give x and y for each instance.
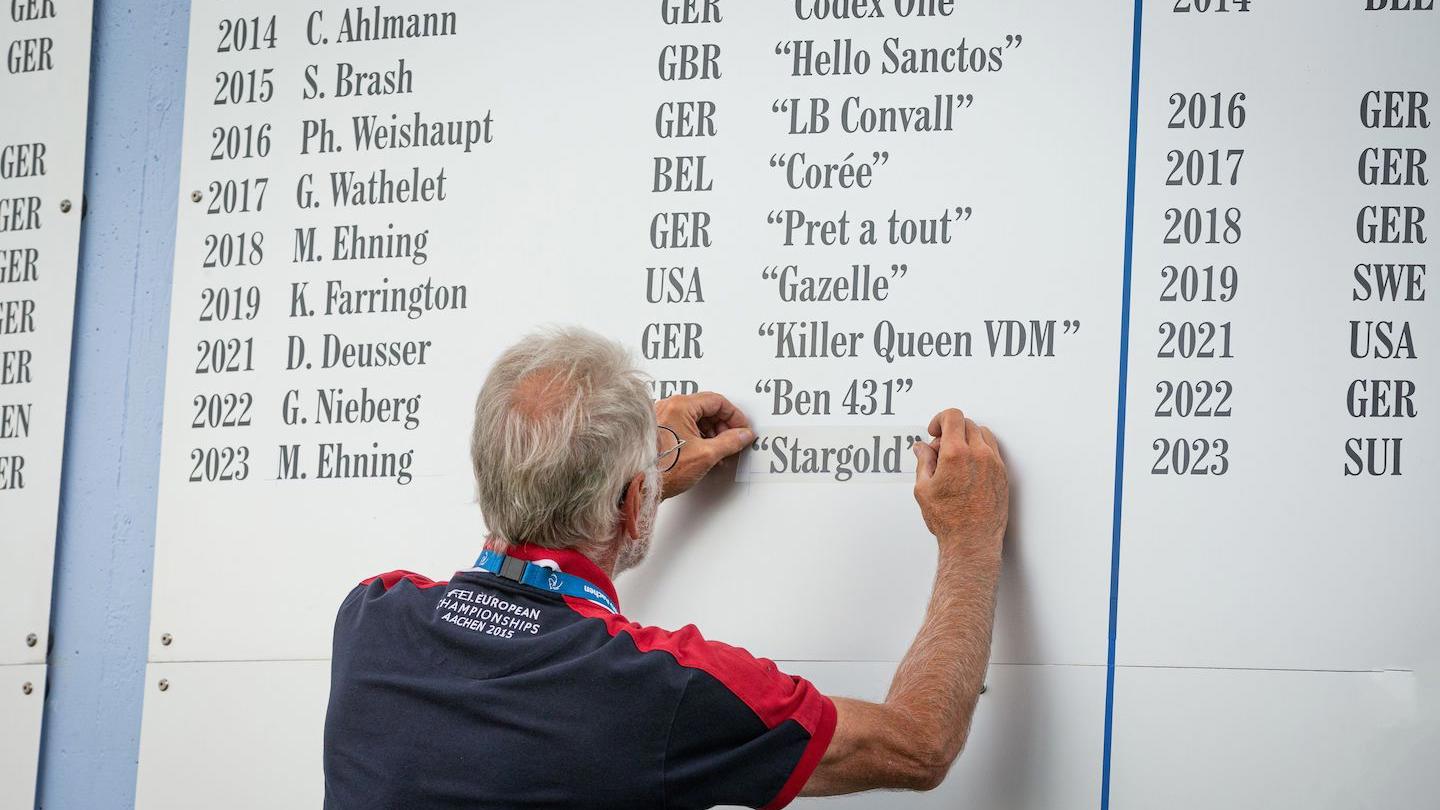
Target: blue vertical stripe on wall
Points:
(100, 614)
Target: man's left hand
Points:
(713, 430)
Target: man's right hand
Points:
(911, 739)
(961, 485)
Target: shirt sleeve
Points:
(744, 733)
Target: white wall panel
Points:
(22, 702)
(42, 173)
(1200, 738)
(239, 733)
(550, 222)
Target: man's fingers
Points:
(990, 440)
(952, 432)
(730, 442)
(710, 405)
(946, 420)
(925, 457)
(934, 428)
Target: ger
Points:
(688, 12)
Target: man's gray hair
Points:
(562, 424)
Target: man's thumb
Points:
(925, 458)
(732, 441)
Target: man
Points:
(520, 684)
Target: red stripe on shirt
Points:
(774, 696)
(389, 579)
(810, 760)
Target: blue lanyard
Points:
(542, 578)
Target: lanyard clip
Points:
(513, 568)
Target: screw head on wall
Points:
(64, 206)
(164, 684)
(165, 639)
(27, 688)
(31, 640)
(194, 196)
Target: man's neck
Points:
(605, 561)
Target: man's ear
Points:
(630, 512)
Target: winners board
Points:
(1177, 257)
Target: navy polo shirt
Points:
(484, 693)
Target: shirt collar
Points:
(570, 561)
